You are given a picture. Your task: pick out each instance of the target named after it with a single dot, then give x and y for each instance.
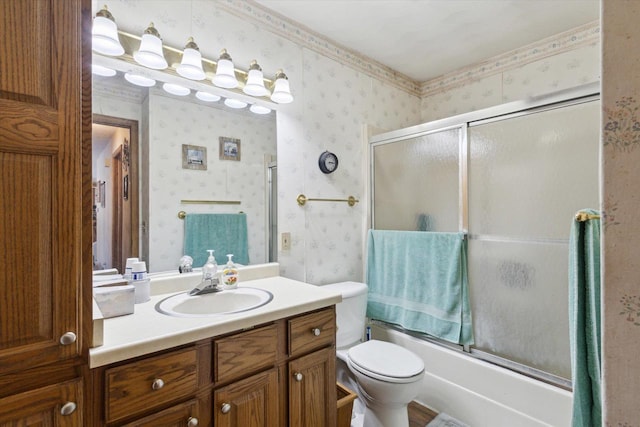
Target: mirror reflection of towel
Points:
(224, 233)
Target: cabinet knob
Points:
(316, 331)
(68, 338)
(157, 384)
(226, 407)
(68, 408)
(192, 422)
(298, 376)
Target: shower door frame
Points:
(559, 99)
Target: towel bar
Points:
(210, 202)
(183, 214)
(302, 200)
(583, 216)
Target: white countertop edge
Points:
(184, 331)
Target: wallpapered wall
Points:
(553, 73)
(173, 122)
(621, 175)
(332, 103)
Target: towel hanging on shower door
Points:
(584, 320)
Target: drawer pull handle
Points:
(226, 408)
(192, 422)
(316, 331)
(157, 384)
(68, 408)
(68, 338)
(298, 376)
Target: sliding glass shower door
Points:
(528, 176)
(513, 182)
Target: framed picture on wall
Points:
(194, 157)
(229, 148)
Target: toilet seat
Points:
(385, 361)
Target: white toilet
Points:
(387, 376)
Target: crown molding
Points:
(291, 30)
(587, 34)
(584, 35)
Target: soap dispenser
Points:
(230, 274)
(209, 269)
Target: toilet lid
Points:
(385, 359)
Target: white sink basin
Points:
(214, 304)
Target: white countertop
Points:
(146, 330)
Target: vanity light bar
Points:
(131, 42)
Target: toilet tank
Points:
(350, 313)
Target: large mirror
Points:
(156, 155)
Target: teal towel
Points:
(584, 321)
(418, 280)
(224, 233)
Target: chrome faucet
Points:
(207, 286)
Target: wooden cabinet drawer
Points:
(149, 383)
(312, 331)
(188, 414)
(237, 355)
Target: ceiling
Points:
(424, 39)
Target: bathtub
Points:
(481, 394)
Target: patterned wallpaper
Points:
(621, 175)
(173, 122)
(562, 71)
(331, 111)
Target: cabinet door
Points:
(57, 405)
(252, 402)
(312, 390)
(41, 215)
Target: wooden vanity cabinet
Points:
(278, 374)
(312, 369)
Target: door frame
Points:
(134, 184)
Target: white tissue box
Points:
(115, 300)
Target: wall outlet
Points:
(285, 242)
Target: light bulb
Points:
(191, 65)
(104, 34)
(175, 89)
(99, 70)
(234, 103)
(255, 81)
(259, 109)
(150, 53)
(281, 92)
(139, 80)
(225, 73)
(207, 97)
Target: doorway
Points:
(116, 205)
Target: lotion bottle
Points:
(230, 274)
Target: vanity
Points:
(272, 365)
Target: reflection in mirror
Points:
(166, 184)
(115, 207)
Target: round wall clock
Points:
(328, 162)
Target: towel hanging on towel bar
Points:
(224, 233)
